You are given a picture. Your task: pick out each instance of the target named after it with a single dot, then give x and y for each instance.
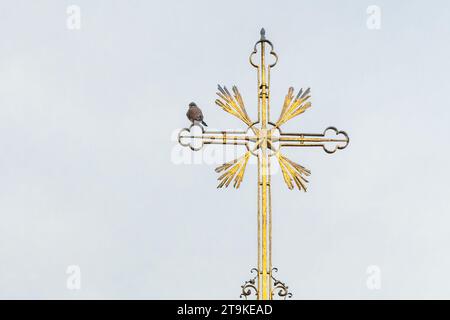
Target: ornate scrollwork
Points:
(263, 39)
(250, 286)
(279, 288)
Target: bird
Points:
(195, 115)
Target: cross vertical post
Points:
(264, 211)
(265, 140)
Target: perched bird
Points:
(194, 114)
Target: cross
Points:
(265, 140)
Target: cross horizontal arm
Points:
(195, 141)
(330, 140)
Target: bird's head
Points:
(192, 104)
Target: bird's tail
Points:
(204, 123)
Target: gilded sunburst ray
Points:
(234, 106)
(293, 172)
(233, 170)
(292, 107)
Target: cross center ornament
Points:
(265, 140)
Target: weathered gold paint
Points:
(264, 148)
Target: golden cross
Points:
(264, 139)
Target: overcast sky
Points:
(91, 176)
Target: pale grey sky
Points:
(88, 178)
